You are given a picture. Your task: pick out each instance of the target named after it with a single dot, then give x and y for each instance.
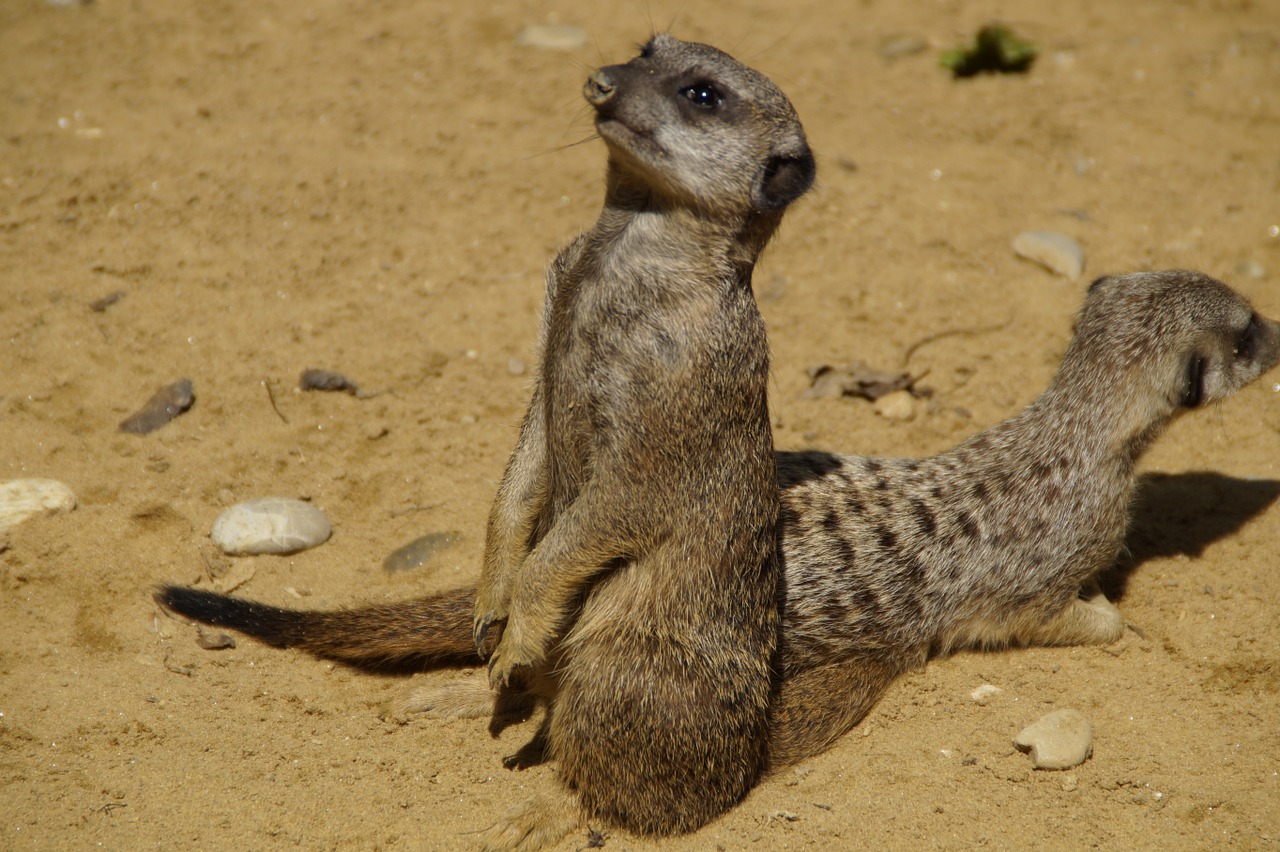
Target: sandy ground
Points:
(375, 187)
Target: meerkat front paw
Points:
(487, 631)
(1092, 620)
(506, 671)
(1103, 623)
(512, 662)
(489, 622)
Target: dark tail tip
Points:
(267, 623)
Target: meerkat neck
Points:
(719, 239)
(1105, 418)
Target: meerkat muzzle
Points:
(598, 89)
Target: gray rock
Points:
(1059, 740)
(1052, 250)
(166, 404)
(21, 499)
(270, 525)
(419, 552)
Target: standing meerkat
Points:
(889, 561)
(630, 557)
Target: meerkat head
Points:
(697, 126)
(1192, 338)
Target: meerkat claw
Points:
(480, 634)
(503, 674)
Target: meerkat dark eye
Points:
(1193, 389)
(703, 95)
(1247, 342)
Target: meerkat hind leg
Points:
(538, 822)
(816, 707)
(462, 698)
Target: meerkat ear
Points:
(1098, 282)
(1193, 382)
(785, 178)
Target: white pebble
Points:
(21, 499)
(897, 405)
(1059, 740)
(270, 525)
(1052, 250)
(984, 693)
(552, 36)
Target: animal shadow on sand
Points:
(1181, 514)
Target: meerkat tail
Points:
(430, 630)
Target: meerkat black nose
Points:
(599, 89)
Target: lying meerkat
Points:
(630, 558)
(889, 561)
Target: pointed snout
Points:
(599, 88)
(1269, 355)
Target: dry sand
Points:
(375, 187)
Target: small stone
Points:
(166, 404)
(239, 574)
(898, 405)
(211, 641)
(515, 366)
(22, 499)
(327, 380)
(100, 305)
(420, 551)
(1059, 740)
(1052, 250)
(983, 694)
(552, 36)
(270, 525)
